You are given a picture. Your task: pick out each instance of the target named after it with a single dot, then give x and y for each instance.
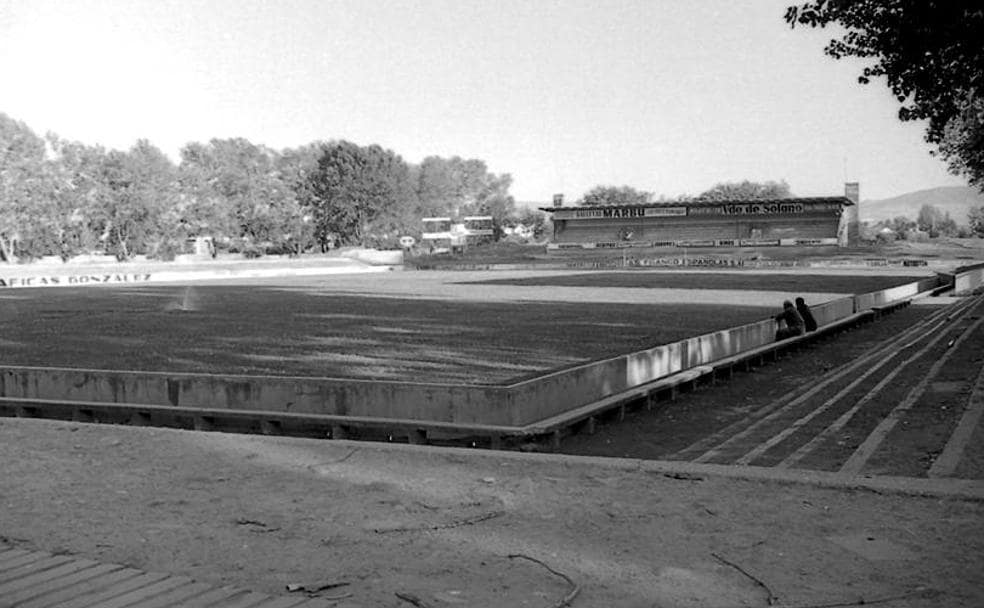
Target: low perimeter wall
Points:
(298, 395)
(868, 301)
(518, 404)
(966, 280)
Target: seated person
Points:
(793, 322)
(804, 310)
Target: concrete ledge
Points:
(881, 311)
(597, 408)
(868, 301)
(433, 402)
(139, 414)
(967, 281)
(834, 310)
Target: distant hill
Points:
(955, 200)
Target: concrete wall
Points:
(877, 298)
(301, 395)
(564, 390)
(515, 405)
(831, 311)
(894, 294)
(558, 392)
(930, 283)
(851, 215)
(967, 281)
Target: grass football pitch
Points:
(273, 327)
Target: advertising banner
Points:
(759, 242)
(807, 242)
(764, 208)
(48, 280)
(582, 213)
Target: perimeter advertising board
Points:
(588, 213)
(51, 280)
(694, 243)
(724, 209)
(764, 208)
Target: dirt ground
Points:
(263, 512)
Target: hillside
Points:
(956, 200)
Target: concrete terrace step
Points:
(36, 579)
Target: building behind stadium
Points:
(831, 220)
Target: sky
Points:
(666, 96)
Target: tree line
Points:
(60, 197)
(734, 191)
(932, 222)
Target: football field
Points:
(456, 327)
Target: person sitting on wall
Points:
(808, 321)
(791, 319)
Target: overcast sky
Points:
(665, 96)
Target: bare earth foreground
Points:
(440, 524)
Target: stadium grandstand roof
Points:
(707, 202)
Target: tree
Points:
(535, 219)
(962, 143)
(931, 55)
(25, 185)
(614, 195)
(493, 199)
(239, 191)
(747, 190)
(359, 193)
(935, 222)
(236, 190)
(947, 226)
(136, 209)
(397, 214)
(295, 167)
(206, 209)
(77, 171)
(976, 218)
(901, 224)
(445, 185)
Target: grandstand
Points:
(708, 223)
